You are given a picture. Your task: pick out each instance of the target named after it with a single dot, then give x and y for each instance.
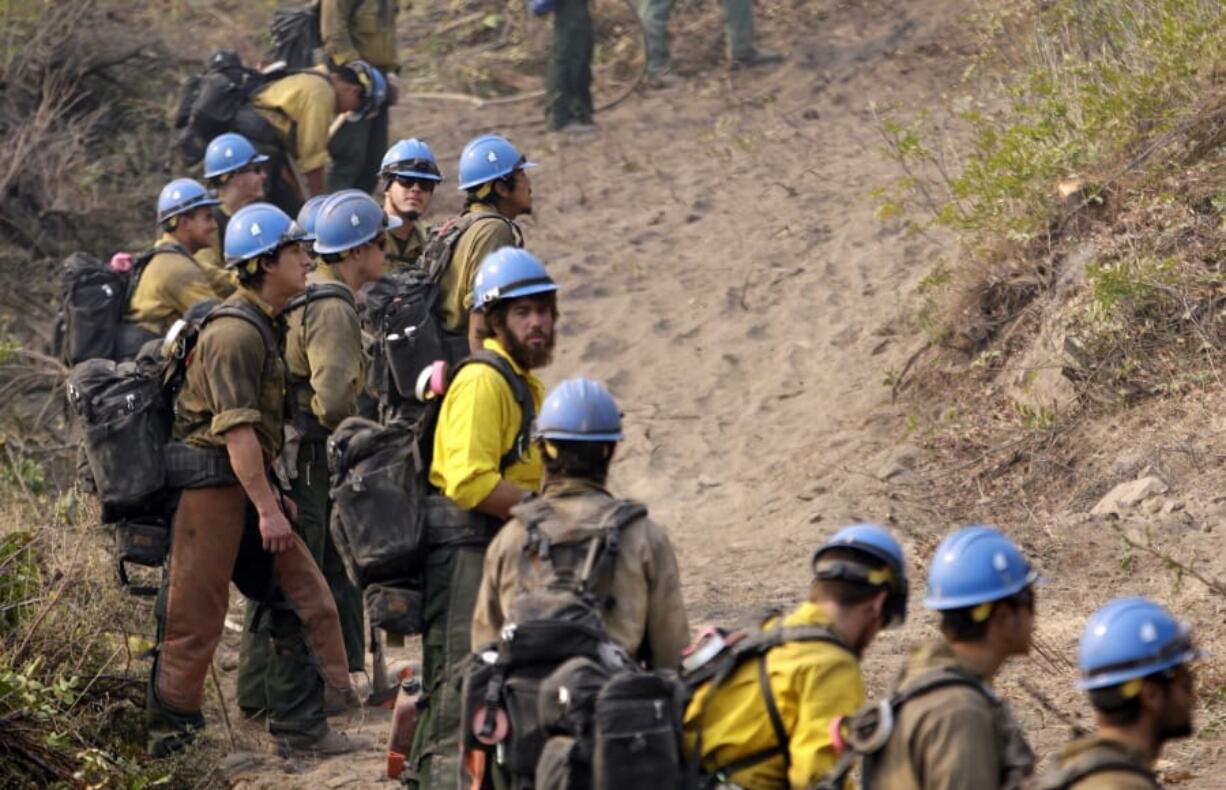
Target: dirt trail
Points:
(723, 272)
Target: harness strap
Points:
(523, 398)
(449, 235)
(299, 384)
(141, 262)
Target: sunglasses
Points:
(424, 184)
(251, 168)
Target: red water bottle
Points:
(404, 725)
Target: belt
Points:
(449, 525)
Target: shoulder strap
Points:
(316, 291)
(450, 232)
(252, 315)
(936, 678)
(523, 398)
(756, 647)
(1069, 775)
(141, 261)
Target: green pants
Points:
(570, 66)
(452, 577)
(256, 691)
(357, 151)
(738, 27)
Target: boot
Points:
(331, 744)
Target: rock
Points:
(901, 459)
(1171, 506)
(1127, 464)
(1129, 494)
(341, 781)
(707, 482)
(228, 663)
(1152, 506)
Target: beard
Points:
(1177, 724)
(531, 357)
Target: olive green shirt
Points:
(171, 283)
(301, 108)
(364, 29)
(951, 738)
(1093, 748)
(213, 261)
(456, 284)
(648, 614)
(323, 350)
(402, 254)
(231, 382)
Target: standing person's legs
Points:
(570, 65)
(585, 45)
(205, 536)
(453, 576)
(348, 151)
(655, 14)
(738, 27)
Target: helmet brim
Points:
(942, 603)
(519, 293)
(1109, 679)
(414, 174)
(570, 436)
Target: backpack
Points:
(306, 422)
(219, 101)
(555, 623)
(1082, 767)
(93, 300)
(296, 34)
(867, 732)
(127, 412)
(402, 314)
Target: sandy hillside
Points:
(723, 272)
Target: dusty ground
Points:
(723, 272)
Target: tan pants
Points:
(208, 526)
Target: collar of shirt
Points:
(573, 486)
(166, 239)
(492, 344)
(251, 296)
(1076, 748)
(480, 207)
(324, 273)
(936, 653)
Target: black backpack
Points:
(219, 101)
(93, 300)
(402, 314)
(127, 411)
(557, 621)
(296, 34)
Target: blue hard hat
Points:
(181, 196)
(488, 158)
(976, 565)
(259, 229)
(229, 152)
(374, 89)
(509, 273)
(411, 158)
(877, 542)
(1131, 638)
(349, 219)
(308, 213)
(580, 410)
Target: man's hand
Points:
(276, 532)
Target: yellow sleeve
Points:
(826, 690)
(334, 357)
(184, 284)
(314, 106)
(469, 440)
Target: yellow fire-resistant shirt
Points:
(477, 425)
(456, 285)
(363, 29)
(324, 347)
(171, 283)
(813, 684)
(301, 108)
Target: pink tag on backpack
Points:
(121, 262)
